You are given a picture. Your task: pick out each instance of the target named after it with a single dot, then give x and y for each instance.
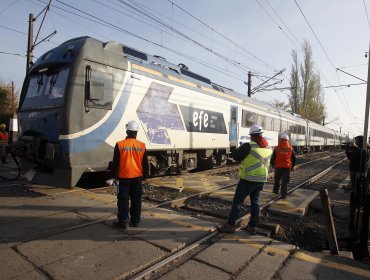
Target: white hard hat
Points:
(132, 125)
(284, 136)
(255, 129)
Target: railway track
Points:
(312, 173)
(180, 201)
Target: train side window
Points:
(233, 115)
(100, 90)
(269, 124)
(284, 126)
(290, 127)
(248, 118)
(261, 120)
(276, 125)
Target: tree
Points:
(279, 105)
(306, 94)
(8, 101)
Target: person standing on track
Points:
(130, 166)
(4, 138)
(357, 159)
(255, 160)
(283, 160)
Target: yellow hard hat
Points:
(2, 125)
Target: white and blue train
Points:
(77, 98)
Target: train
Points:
(77, 98)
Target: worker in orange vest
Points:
(130, 166)
(283, 160)
(4, 138)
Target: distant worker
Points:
(357, 157)
(283, 160)
(4, 138)
(255, 160)
(130, 167)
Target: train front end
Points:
(42, 117)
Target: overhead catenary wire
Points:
(7, 7)
(142, 6)
(367, 15)
(15, 54)
(164, 24)
(110, 25)
(223, 36)
(176, 36)
(345, 103)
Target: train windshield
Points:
(46, 89)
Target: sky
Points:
(221, 40)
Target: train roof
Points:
(64, 54)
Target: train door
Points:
(233, 127)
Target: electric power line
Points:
(7, 7)
(367, 16)
(223, 36)
(117, 28)
(15, 54)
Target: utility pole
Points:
(13, 99)
(364, 234)
(360, 196)
(249, 83)
(30, 43)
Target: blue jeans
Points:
(244, 189)
(129, 189)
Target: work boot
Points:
(119, 225)
(275, 191)
(134, 224)
(227, 228)
(251, 230)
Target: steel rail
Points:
(174, 256)
(241, 222)
(263, 208)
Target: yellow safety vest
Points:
(255, 165)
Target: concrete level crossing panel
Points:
(295, 205)
(314, 266)
(101, 211)
(176, 234)
(47, 206)
(195, 270)
(267, 262)
(233, 251)
(15, 266)
(53, 248)
(192, 182)
(29, 229)
(117, 260)
(151, 218)
(14, 193)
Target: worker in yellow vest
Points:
(130, 166)
(255, 160)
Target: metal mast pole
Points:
(30, 43)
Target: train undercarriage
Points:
(178, 161)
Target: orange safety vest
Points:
(4, 137)
(283, 155)
(131, 158)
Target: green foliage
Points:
(306, 96)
